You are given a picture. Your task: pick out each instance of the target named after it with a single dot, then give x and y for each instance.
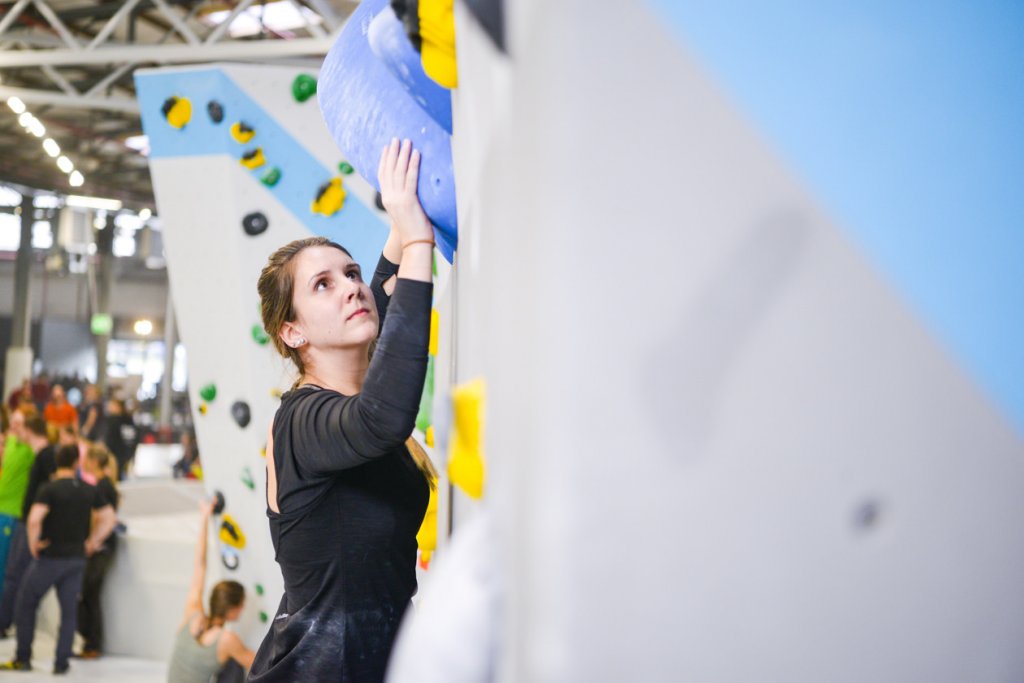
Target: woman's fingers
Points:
(413, 175)
(402, 164)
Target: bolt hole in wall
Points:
(868, 515)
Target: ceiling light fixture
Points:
(92, 202)
(16, 105)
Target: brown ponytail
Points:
(224, 596)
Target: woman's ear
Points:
(291, 335)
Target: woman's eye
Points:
(353, 275)
(320, 284)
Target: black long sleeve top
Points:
(351, 500)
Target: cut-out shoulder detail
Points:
(271, 471)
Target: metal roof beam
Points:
(56, 99)
(170, 54)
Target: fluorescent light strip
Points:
(35, 127)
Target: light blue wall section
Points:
(906, 120)
(357, 227)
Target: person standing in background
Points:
(14, 470)
(91, 413)
(20, 395)
(58, 411)
(18, 557)
(40, 390)
(90, 616)
(120, 435)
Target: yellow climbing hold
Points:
(177, 111)
(202, 409)
(329, 198)
(253, 158)
(435, 323)
(230, 533)
(428, 436)
(426, 537)
(437, 31)
(465, 452)
(241, 133)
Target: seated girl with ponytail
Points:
(202, 645)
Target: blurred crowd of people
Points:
(66, 445)
(96, 419)
(58, 500)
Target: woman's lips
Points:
(361, 311)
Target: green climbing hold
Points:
(247, 479)
(263, 617)
(425, 417)
(303, 87)
(259, 335)
(209, 392)
(346, 168)
(259, 589)
(271, 177)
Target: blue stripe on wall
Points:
(907, 122)
(359, 228)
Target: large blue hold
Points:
(365, 105)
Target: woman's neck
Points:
(343, 371)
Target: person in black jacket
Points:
(90, 614)
(120, 435)
(345, 494)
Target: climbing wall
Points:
(242, 163)
(743, 285)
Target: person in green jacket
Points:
(14, 470)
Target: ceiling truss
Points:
(71, 62)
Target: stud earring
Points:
(300, 342)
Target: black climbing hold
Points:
(168, 105)
(255, 223)
(240, 411)
(379, 201)
(218, 502)
(215, 110)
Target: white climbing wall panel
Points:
(726, 441)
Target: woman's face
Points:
(333, 306)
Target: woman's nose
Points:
(353, 290)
